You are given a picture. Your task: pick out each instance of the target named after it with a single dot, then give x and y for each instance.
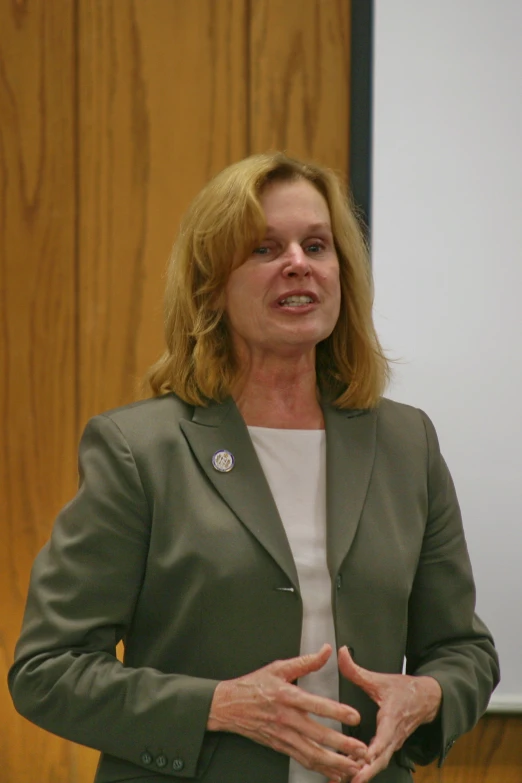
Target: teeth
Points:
(297, 300)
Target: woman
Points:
(266, 507)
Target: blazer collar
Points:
(350, 449)
(245, 488)
(350, 454)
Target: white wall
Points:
(447, 254)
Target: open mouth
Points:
(296, 300)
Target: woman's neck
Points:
(280, 394)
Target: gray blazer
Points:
(191, 568)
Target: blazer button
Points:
(146, 758)
(161, 761)
(338, 581)
(177, 765)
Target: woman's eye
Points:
(315, 247)
(262, 250)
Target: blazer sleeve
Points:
(83, 589)
(446, 639)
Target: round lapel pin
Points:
(223, 461)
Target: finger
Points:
(380, 752)
(369, 771)
(384, 739)
(293, 668)
(319, 705)
(343, 778)
(348, 667)
(367, 680)
(326, 737)
(311, 755)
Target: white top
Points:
(294, 463)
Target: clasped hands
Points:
(267, 707)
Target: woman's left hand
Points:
(404, 703)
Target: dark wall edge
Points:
(361, 97)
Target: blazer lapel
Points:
(245, 488)
(350, 453)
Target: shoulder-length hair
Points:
(222, 226)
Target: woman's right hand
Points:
(266, 707)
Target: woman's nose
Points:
(296, 262)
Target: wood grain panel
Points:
(491, 753)
(162, 107)
(299, 57)
(37, 332)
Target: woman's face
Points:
(285, 297)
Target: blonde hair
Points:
(224, 222)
